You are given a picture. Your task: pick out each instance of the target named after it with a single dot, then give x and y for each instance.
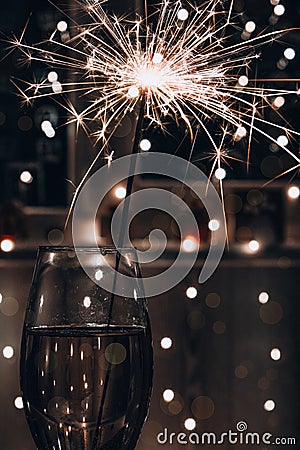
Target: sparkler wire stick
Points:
(123, 226)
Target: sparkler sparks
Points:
(179, 62)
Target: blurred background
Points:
(226, 351)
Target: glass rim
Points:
(84, 249)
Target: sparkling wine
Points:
(85, 388)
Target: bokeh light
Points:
(212, 300)
(48, 129)
(213, 225)
(279, 10)
(168, 395)
(289, 53)
(220, 173)
(9, 306)
(250, 26)
(87, 302)
(57, 87)
(115, 353)
(191, 292)
(62, 26)
(243, 80)
(203, 407)
(19, 403)
(253, 246)
(241, 372)
(278, 102)
(26, 177)
(255, 197)
(52, 76)
(294, 192)
(233, 204)
(269, 405)
(157, 58)
(219, 327)
(190, 424)
(145, 145)
(120, 192)
(183, 14)
(175, 407)
(271, 313)
(99, 274)
(240, 133)
(55, 236)
(263, 297)
(275, 354)
(282, 141)
(166, 343)
(8, 352)
(133, 92)
(189, 244)
(7, 245)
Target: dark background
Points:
(221, 353)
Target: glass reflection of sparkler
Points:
(180, 65)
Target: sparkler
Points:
(179, 66)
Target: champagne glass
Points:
(86, 357)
